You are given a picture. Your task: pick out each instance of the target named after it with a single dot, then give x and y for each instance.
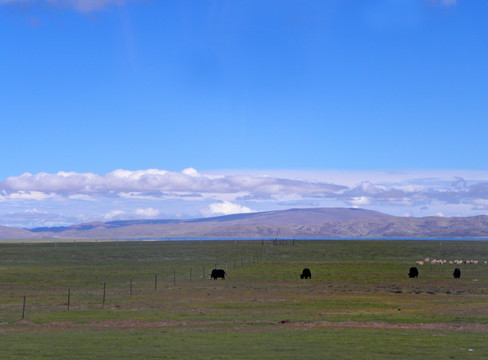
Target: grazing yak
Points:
(457, 273)
(306, 274)
(414, 272)
(217, 273)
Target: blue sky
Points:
(380, 104)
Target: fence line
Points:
(177, 276)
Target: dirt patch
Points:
(241, 325)
(405, 326)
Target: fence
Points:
(75, 297)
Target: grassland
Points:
(159, 302)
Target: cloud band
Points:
(66, 197)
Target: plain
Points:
(87, 300)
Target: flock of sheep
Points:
(414, 272)
(451, 262)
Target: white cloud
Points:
(396, 188)
(32, 217)
(190, 172)
(155, 193)
(81, 197)
(113, 214)
(148, 213)
(359, 201)
(159, 183)
(31, 195)
(224, 208)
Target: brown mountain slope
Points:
(293, 223)
(15, 233)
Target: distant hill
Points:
(293, 223)
(14, 233)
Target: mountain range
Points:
(292, 223)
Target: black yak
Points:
(457, 273)
(414, 272)
(306, 274)
(217, 273)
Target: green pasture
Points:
(160, 303)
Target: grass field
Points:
(159, 302)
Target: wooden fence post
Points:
(156, 282)
(23, 309)
(104, 287)
(69, 297)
